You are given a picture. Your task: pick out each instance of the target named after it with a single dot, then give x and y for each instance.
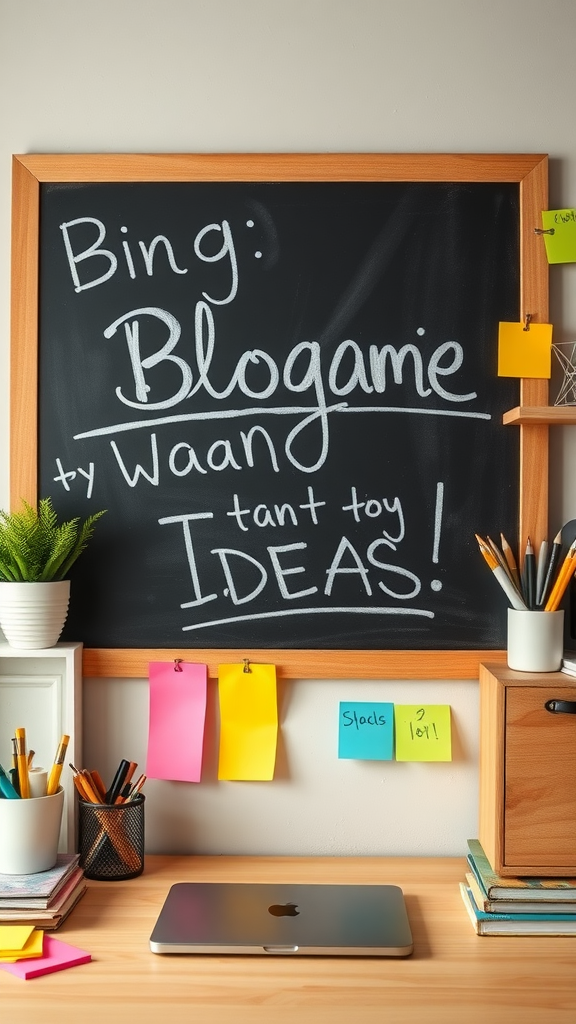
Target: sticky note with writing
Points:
(524, 351)
(366, 731)
(423, 732)
(560, 235)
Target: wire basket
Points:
(111, 839)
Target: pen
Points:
(118, 781)
(504, 581)
(132, 766)
(6, 786)
(56, 770)
(22, 760)
(551, 569)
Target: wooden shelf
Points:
(538, 414)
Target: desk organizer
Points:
(112, 839)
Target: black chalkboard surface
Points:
(285, 395)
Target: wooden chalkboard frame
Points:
(530, 171)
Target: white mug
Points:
(535, 640)
(29, 833)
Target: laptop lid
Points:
(310, 919)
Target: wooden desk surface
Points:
(453, 976)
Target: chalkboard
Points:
(284, 392)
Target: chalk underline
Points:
(228, 414)
(369, 610)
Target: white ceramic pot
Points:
(32, 615)
(29, 833)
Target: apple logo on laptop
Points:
(284, 910)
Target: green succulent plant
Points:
(34, 548)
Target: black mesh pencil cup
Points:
(111, 839)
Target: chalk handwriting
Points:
(301, 392)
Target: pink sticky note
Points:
(57, 956)
(176, 722)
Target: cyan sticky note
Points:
(366, 731)
(560, 235)
(423, 732)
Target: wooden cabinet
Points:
(527, 772)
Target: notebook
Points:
(282, 919)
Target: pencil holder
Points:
(111, 839)
(535, 640)
(29, 833)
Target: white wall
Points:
(296, 75)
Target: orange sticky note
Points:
(524, 352)
(248, 722)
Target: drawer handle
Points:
(561, 707)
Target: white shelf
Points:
(42, 691)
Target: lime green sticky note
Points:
(423, 732)
(524, 352)
(560, 235)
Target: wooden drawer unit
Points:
(527, 772)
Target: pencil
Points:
(504, 581)
(562, 580)
(541, 569)
(56, 770)
(551, 569)
(22, 759)
(84, 785)
(509, 556)
(529, 576)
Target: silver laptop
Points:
(309, 920)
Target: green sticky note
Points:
(560, 235)
(423, 732)
(366, 731)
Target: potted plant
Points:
(36, 554)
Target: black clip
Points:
(246, 665)
(527, 320)
(543, 231)
(178, 664)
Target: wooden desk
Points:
(453, 977)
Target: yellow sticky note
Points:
(560, 235)
(20, 942)
(248, 722)
(524, 353)
(423, 732)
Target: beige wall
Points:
(294, 75)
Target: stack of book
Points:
(569, 663)
(516, 906)
(43, 899)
